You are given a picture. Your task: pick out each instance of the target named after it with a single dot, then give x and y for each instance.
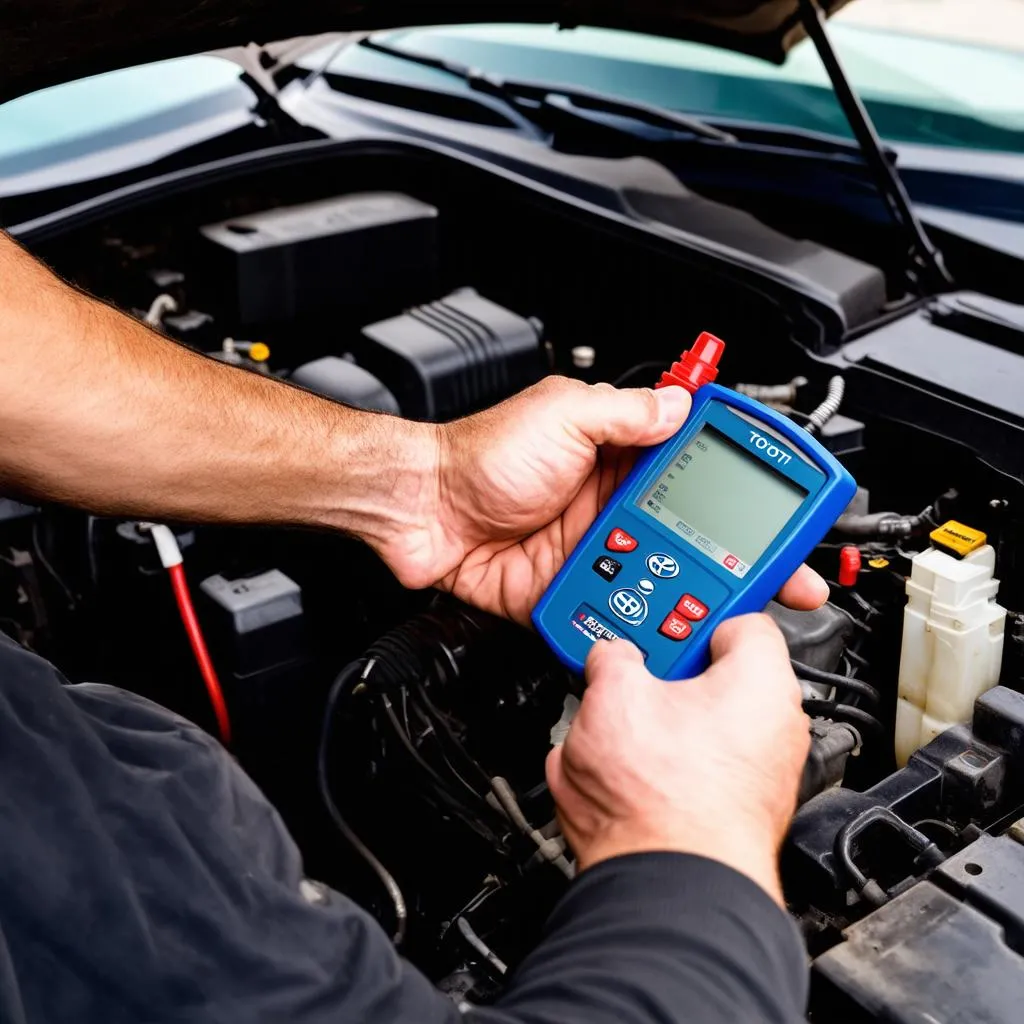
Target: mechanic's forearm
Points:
(99, 411)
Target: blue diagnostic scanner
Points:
(708, 525)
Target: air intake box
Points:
(452, 356)
(294, 261)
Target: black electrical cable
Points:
(438, 786)
(851, 686)
(410, 748)
(37, 549)
(491, 886)
(843, 712)
(852, 655)
(892, 525)
(350, 676)
(428, 648)
(441, 723)
(867, 608)
(857, 623)
(848, 683)
(431, 727)
(650, 364)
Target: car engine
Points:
(402, 735)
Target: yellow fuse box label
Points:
(959, 539)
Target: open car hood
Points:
(43, 42)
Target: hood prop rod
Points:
(929, 267)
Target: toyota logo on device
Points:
(773, 451)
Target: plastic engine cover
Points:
(453, 356)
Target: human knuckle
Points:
(600, 684)
(554, 385)
(641, 402)
(647, 398)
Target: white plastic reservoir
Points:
(952, 644)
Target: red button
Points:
(693, 609)
(675, 627)
(619, 540)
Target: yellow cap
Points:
(878, 563)
(957, 539)
(259, 352)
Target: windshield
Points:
(157, 103)
(920, 90)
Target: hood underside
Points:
(43, 42)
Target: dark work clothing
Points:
(143, 878)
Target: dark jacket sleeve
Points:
(143, 876)
(660, 938)
(646, 939)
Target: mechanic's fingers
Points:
(628, 416)
(805, 590)
(615, 661)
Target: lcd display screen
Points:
(723, 500)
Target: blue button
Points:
(663, 566)
(629, 606)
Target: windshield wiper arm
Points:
(515, 91)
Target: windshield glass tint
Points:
(924, 90)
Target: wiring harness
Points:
(397, 676)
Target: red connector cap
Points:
(697, 365)
(849, 565)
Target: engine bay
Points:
(402, 735)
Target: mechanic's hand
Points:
(709, 766)
(519, 484)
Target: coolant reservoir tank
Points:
(952, 644)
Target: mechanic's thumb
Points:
(614, 663)
(754, 637)
(750, 652)
(631, 417)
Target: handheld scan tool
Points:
(708, 525)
